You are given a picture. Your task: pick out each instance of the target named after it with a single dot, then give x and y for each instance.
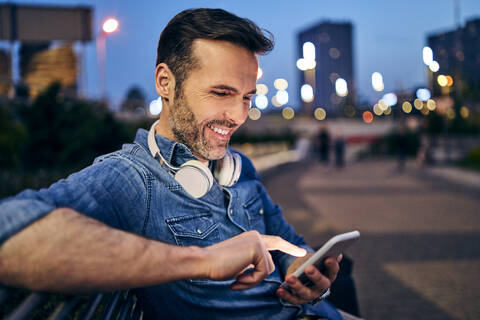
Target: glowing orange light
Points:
(449, 81)
(367, 117)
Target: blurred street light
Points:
(109, 26)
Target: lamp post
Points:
(109, 26)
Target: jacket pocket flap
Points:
(197, 226)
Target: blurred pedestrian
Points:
(323, 144)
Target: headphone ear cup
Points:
(195, 178)
(229, 172)
(223, 170)
(237, 168)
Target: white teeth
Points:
(218, 130)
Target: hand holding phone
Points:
(332, 248)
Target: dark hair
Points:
(175, 43)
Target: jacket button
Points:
(231, 211)
(260, 211)
(199, 231)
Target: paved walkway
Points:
(419, 253)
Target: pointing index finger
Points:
(277, 243)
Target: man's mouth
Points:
(221, 131)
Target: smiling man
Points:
(206, 230)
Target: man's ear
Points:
(164, 81)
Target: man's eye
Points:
(220, 93)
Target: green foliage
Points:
(43, 141)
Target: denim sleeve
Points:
(111, 191)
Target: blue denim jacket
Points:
(130, 190)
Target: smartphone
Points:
(332, 248)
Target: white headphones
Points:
(194, 176)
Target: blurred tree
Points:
(13, 136)
(69, 134)
(134, 101)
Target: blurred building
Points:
(333, 43)
(46, 35)
(458, 54)
(42, 65)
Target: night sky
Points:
(388, 37)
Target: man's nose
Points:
(237, 113)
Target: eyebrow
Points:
(225, 87)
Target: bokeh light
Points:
(464, 112)
(309, 51)
(388, 111)
(431, 105)
(377, 81)
(254, 114)
(382, 104)
(306, 92)
(110, 25)
(442, 80)
(275, 102)
(423, 94)
(407, 107)
(282, 97)
(418, 104)
(280, 84)
(334, 53)
(341, 87)
(434, 66)
(302, 64)
(350, 111)
(156, 106)
(449, 81)
(427, 55)
(390, 99)
(367, 117)
(261, 102)
(320, 113)
(262, 89)
(288, 113)
(377, 110)
(451, 114)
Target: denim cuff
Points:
(16, 214)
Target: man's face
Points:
(215, 98)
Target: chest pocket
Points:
(255, 213)
(194, 230)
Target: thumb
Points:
(277, 243)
